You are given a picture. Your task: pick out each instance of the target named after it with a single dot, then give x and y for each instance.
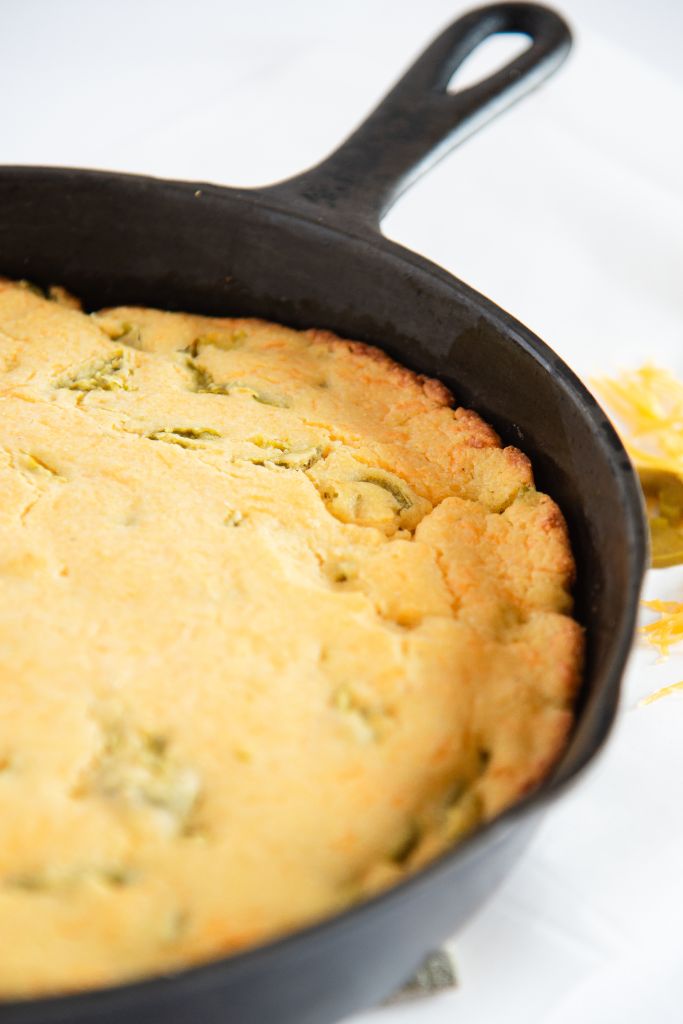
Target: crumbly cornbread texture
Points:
(277, 625)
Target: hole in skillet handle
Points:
(491, 56)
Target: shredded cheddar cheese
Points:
(665, 691)
(648, 404)
(668, 628)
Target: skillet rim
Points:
(210, 973)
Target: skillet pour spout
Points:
(309, 252)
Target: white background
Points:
(568, 211)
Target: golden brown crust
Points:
(435, 390)
(301, 625)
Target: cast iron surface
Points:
(309, 252)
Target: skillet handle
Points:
(419, 120)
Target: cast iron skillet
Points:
(308, 252)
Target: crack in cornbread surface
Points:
(277, 625)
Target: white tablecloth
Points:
(568, 211)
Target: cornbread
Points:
(277, 626)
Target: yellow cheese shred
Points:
(668, 628)
(665, 691)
